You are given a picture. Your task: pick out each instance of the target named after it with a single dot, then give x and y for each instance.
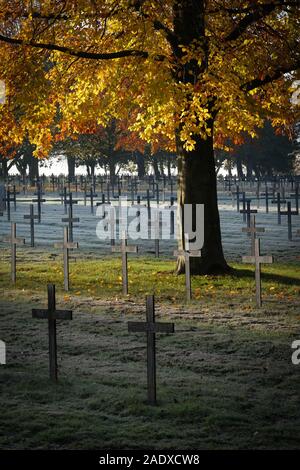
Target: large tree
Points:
(189, 73)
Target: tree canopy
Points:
(70, 66)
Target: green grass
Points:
(225, 378)
(102, 279)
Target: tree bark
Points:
(196, 169)
(71, 167)
(140, 161)
(33, 164)
(197, 185)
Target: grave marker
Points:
(257, 259)
(187, 254)
(252, 231)
(278, 201)
(150, 327)
(289, 214)
(247, 212)
(51, 314)
(14, 241)
(31, 218)
(124, 249)
(66, 245)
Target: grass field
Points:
(225, 378)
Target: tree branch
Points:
(269, 78)
(78, 53)
(257, 13)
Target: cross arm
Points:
(52, 315)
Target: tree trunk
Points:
(112, 171)
(71, 167)
(140, 161)
(239, 168)
(33, 164)
(196, 169)
(197, 185)
(3, 168)
(155, 167)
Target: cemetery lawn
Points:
(224, 379)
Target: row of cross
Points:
(255, 257)
(150, 327)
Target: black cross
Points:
(66, 245)
(14, 198)
(237, 194)
(39, 201)
(31, 218)
(63, 196)
(124, 249)
(257, 259)
(150, 327)
(7, 199)
(91, 195)
(14, 241)
(278, 201)
(51, 314)
(70, 219)
(296, 196)
(248, 212)
(289, 214)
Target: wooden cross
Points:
(244, 201)
(70, 219)
(51, 314)
(248, 212)
(150, 327)
(252, 231)
(91, 195)
(237, 194)
(289, 214)
(156, 231)
(63, 196)
(31, 218)
(187, 254)
(296, 196)
(14, 241)
(39, 201)
(258, 260)
(278, 201)
(124, 249)
(7, 199)
(14, 198)
(66, 245)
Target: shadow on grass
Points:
(272, 277)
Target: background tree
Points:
(195, 72)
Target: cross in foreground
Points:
(258, 260)
(51, 314)
(124, 249)
(150, 327)
(66, 245)
(187, 254)
(14, 241)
